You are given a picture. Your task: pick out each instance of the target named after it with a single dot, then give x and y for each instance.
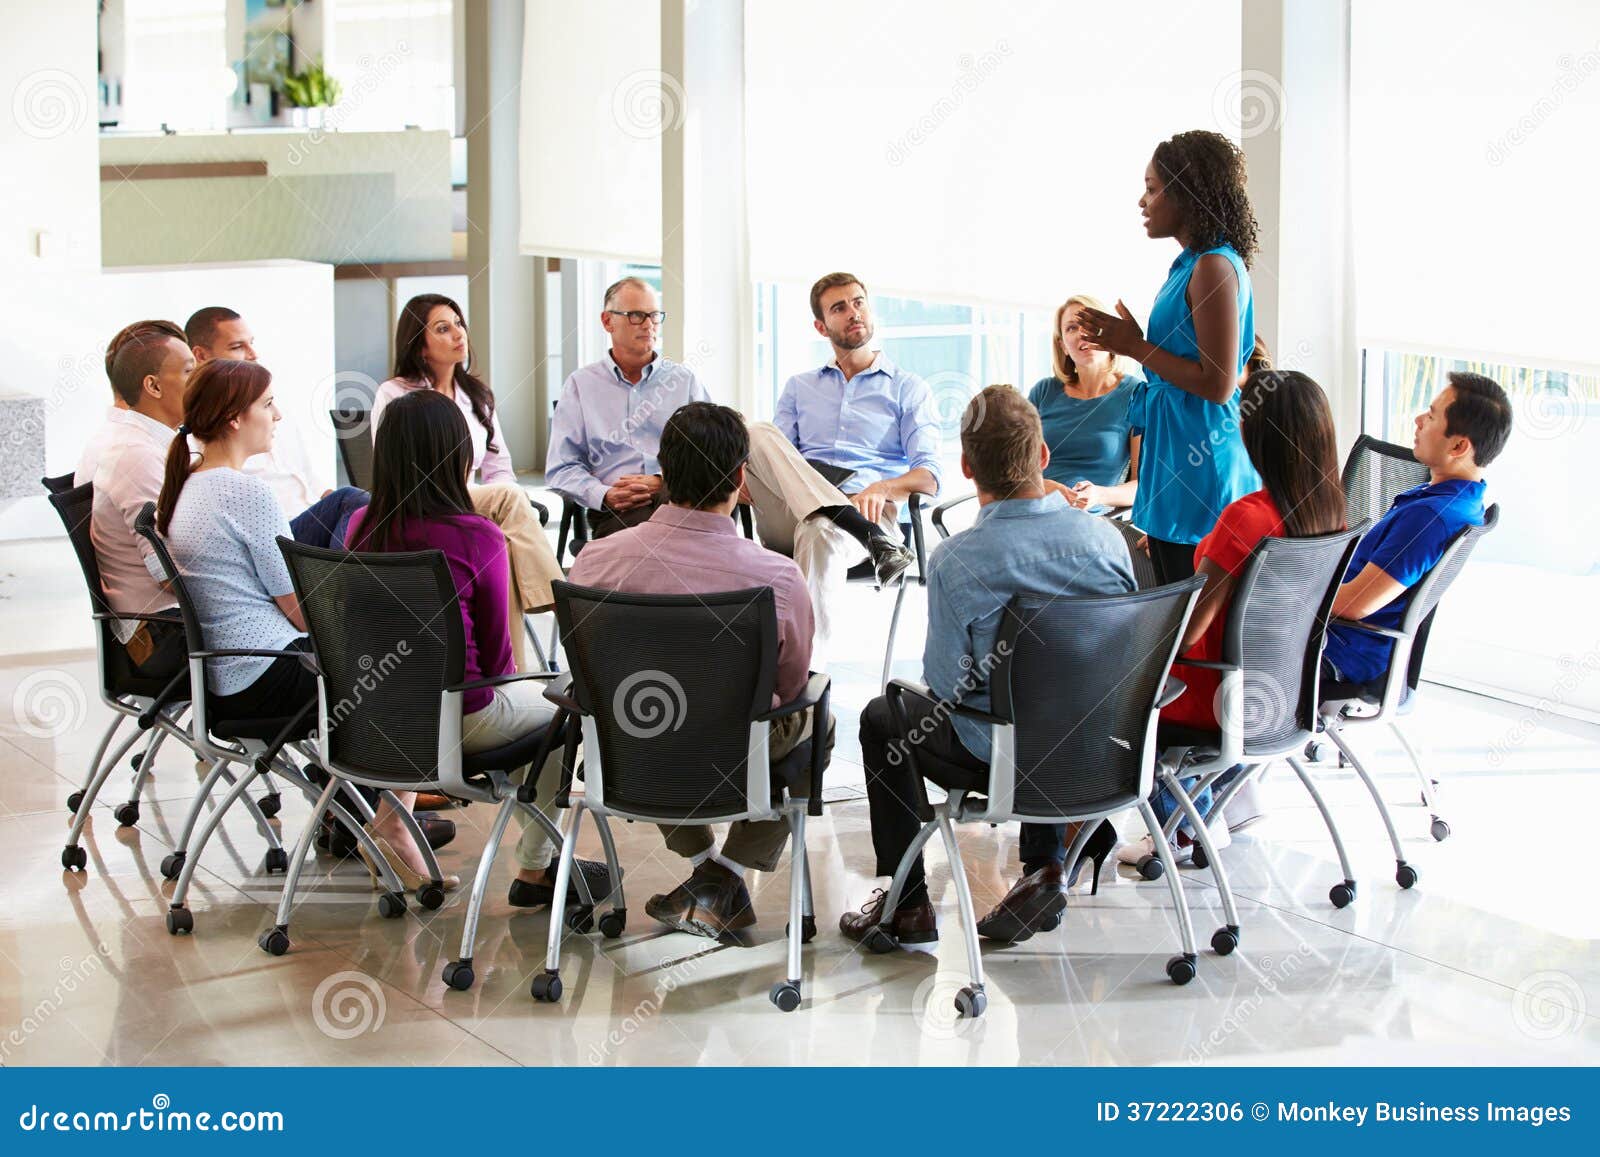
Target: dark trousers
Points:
(281, 690)
(324, 522)
(1174, 561)
(604, 522)
(893, 793)
(159, 650)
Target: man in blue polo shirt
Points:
(1463, 430)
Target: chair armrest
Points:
(925, 693)
(1170, 692)
(1369, 628)
(1208, 664)
(816, 687)
(103, 616)
(540, 509)
(497, 680)
(559, 692)
(169, 694)
(939, 512)
(307, 659)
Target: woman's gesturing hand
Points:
(1115, 333)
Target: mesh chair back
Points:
(1079, 679)
(1374, 473)
(1144, 571)
(59, 484)
(353, 429)
(670, 685)
(1418, 619)
(387, 633)
(1274, 633)
(145, 524)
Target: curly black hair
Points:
(1204, 173)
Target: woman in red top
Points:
(1288, 432)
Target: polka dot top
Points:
(223, 540)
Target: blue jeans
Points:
(324, 522)
(1163, 804)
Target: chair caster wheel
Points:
(970, 1003)
(74, 857)
(808, 929)
(179, 920)
(127, 814)
(1440, 830)
(135, 760)
(274, 941)
(581, 919)
(786, 995)
(458, 975)
(270, 805)
(1180, 969)
(172, 865)
(1199, 858)
(1318, 750)
(391, 905)
(1224, 941)
(1406, 876)
(431, 896)
(546, 988)
(277, 860)
(74, 801)
(879, 942)
(1342, 894)
(1151, 867)
(612, 924)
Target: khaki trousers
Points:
(515, 710)
(533, 563)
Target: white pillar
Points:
(705, 252)
(1295, 116)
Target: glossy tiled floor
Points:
(1492, 958)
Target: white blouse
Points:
(491, 466)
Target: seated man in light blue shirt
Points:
(1025, 539)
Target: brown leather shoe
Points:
(1034, 904)
(711, 903)
(432, 801)
(916, 925)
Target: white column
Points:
(705, 253)
(1295, 118)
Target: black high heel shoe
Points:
(1099, 848)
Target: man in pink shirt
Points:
(690, 546)
(149, 370)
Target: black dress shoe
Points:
(889, 559)
(1034, 904)
(438, 830)
(712, 902)
(525, 895)
(915, 925)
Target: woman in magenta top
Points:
(421, 459)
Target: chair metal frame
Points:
(569, 692)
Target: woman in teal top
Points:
(1192, 462)
(1085, 408)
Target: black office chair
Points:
(390, 651)
(911, 530)
(1374, 473)
(258, 745)
(1345, 705)
(59, 484)
(156, 705)
(675, 697)
(1063, 749)
(1267, 708)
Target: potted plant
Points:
(310, 92)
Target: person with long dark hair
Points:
(1288, 433)
(421, 460)
(432, 353)
(222, 526)
(1202, 330)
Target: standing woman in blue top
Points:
(1192, 462)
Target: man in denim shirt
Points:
(1025, 539)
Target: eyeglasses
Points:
(640, 316)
